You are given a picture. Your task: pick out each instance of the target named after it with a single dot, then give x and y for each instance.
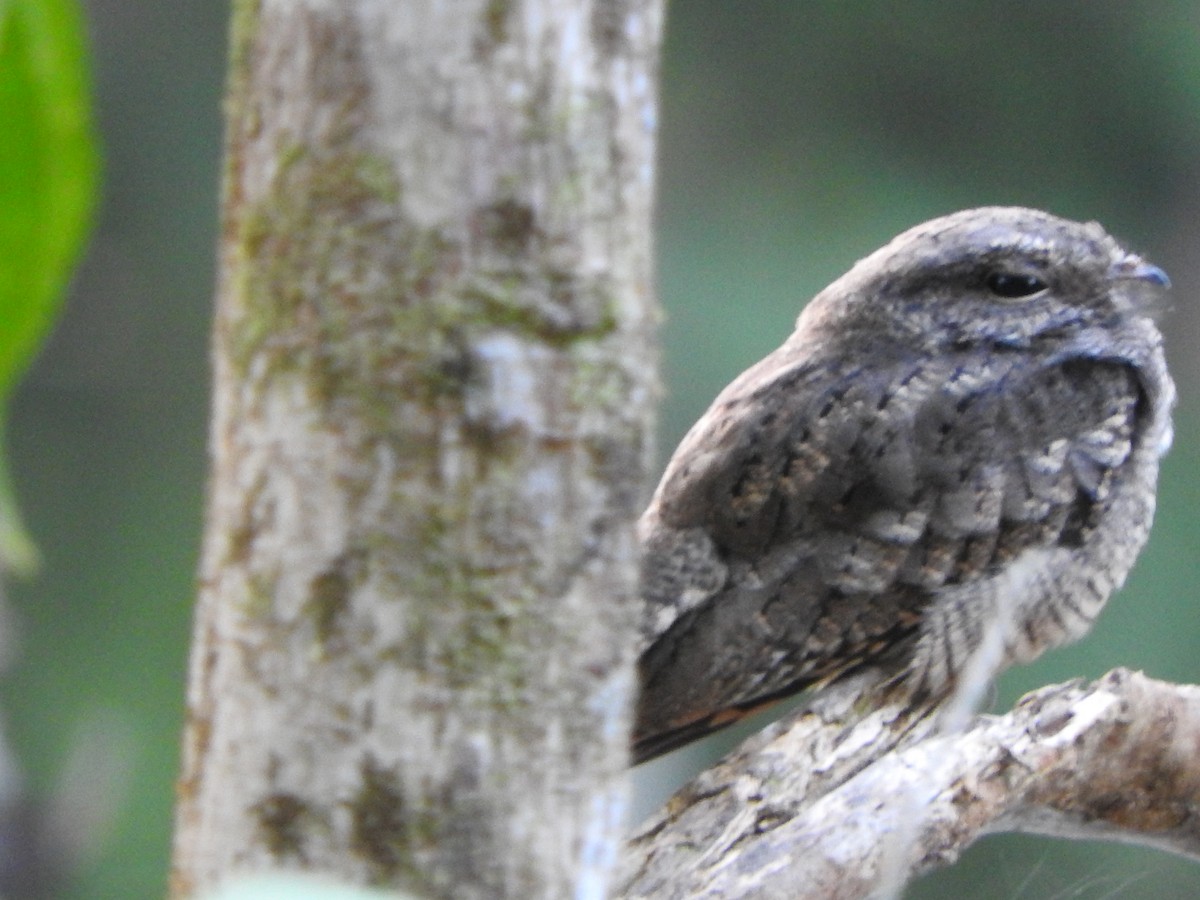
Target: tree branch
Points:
(829, 805)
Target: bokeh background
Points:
(797, 135)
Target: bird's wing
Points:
(833, 502)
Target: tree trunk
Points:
(434, 376)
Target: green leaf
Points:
(48, 170)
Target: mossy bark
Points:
(434, 379)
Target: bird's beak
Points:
(1133, 267)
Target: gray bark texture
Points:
(434, 378)
(839, 802)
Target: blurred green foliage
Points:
(48, 169)
(797, 136)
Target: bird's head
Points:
(1003, 276)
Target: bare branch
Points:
(827, 807)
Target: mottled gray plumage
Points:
(962, 434)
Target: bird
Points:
(961, 438)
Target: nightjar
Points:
(963, 433)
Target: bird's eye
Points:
(1012, 285)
